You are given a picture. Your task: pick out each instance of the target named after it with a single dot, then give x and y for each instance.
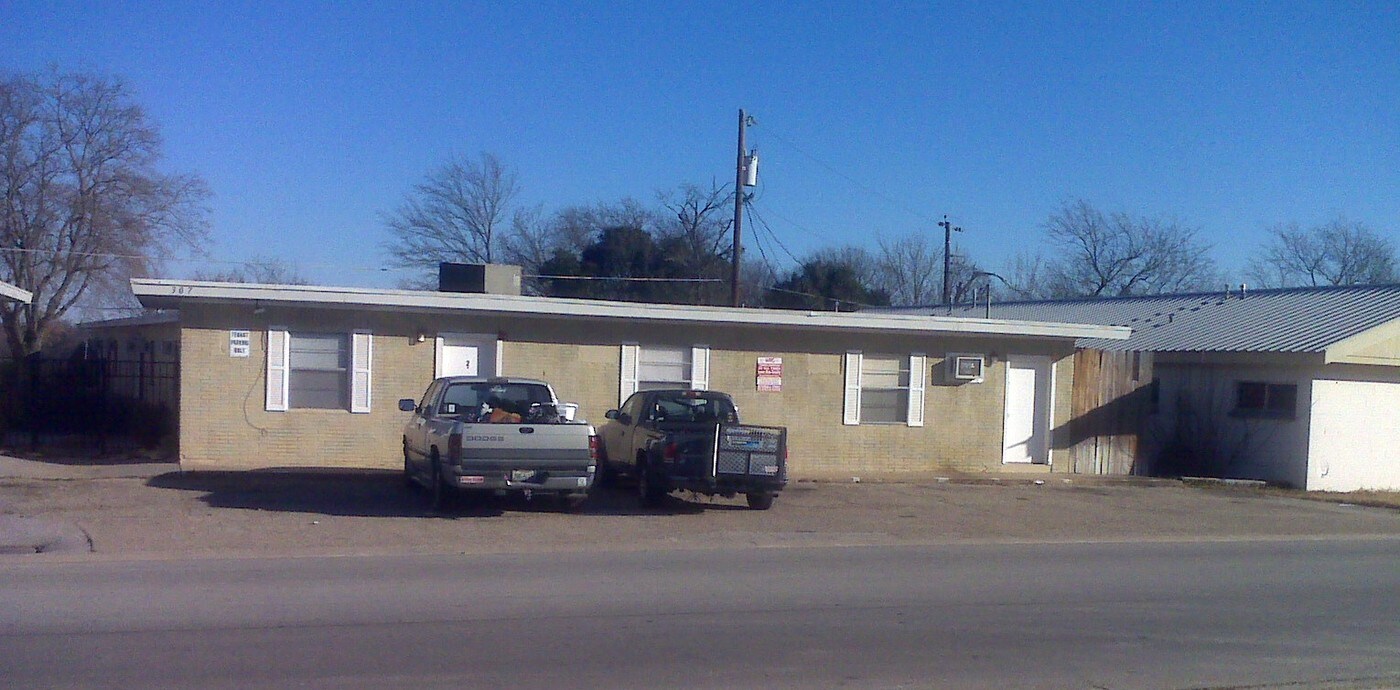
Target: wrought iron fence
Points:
(100, 401)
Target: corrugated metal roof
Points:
(1280, 320)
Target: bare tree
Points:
(260, 269)
(697, 222)
(1119, 254)
(454, 214)
(910, 270)
(84, 207)
(862, 264)
(1340, 252)
(693, 233)
(1025, 277)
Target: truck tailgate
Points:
(526, 446)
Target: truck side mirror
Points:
(611, 414)
(407, 405)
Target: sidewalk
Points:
(22, 468)
(141, 509)
(20, 534)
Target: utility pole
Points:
(738, 212)
(948, 230)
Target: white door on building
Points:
(466, 354)
(1026, 429)
(1354, 440)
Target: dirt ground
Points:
(231, 514)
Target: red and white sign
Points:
(770, 374)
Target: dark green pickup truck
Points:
(691, 440)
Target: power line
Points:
(774, 235)
(836, 171)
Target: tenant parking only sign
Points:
(239, 343)
(770, 373)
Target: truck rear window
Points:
(477, 400)
(694, 407)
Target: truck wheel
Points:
(760, 500)
(649, 489)
(441, 494)
(408, 479)
(607, 475)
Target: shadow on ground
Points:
(378, 493)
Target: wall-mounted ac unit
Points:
(965, 367)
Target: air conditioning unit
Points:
(965, 367)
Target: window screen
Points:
(663, 367)
(884, 389)
(318, 378)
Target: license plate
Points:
(521, 475)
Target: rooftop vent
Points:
(481, 279)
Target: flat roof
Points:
(172, 294)
(11, 293)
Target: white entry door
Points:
(466, 354)
(1027, 425)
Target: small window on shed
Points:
(1260, 399)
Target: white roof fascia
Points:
(160, 294)
(11, 293)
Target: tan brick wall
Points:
(225, 426)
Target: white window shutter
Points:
(500, 359)
(278, 354)
(437, 357)
(852, 399)
(917, 364)
(700, 367)
(361, 358)
(628, 384)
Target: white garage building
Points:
(1296, 386)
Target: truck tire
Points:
(760, 500)
(408, 479)
(649, 490)
(441, 493)
(607, 474)
(572, 503)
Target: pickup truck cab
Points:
(691, 440)
(496, 435)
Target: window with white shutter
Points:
(628, 379)
(652, 367)
(700, 367)
(277, 370)
(851, 401)
(361, 378)
(884, 389)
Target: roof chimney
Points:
(482, 279)
(1243, 288)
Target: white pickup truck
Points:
(497, 435)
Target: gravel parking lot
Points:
(175, 514)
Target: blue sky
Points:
(874, 119)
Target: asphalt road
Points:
(1109, 615)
